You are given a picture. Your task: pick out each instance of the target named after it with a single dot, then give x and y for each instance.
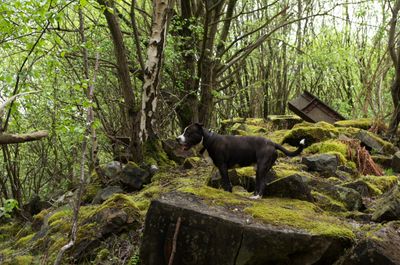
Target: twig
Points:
(177, 226)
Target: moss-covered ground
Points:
(327, 215)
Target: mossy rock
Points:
(350, 198)
(191, 162)
(246, 130)
(312, 133)
(382, 183)
(363, 123)
(154, 154)
(284, 121)
(375, 143)
(331, 145)
(387, 208)
(328, 203)
(226, 125)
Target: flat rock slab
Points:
(215, 235)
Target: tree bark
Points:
(152, 72)
(395, 56)
(131, 110)
(6, 138)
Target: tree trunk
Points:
(130, 108)
(152, 72)
(395, 56)
(6, 138)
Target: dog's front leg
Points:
(226, 184)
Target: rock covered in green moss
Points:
(226, 125)
(312, 133)
(269, 231)
(134, 177)
(350, 198)
(379, 247)
(327, 163)
(106, 193)
(375, 143)
(395, 162)
(293, 186)
(191, 162)
(387, 208)
(363, 123)
(284, 121)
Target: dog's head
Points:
(191, 136)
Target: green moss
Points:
(121, 201)
(214, 196)
(284, 170)
(245, 171)
(312, 133)
(388, 148)
(327, 202)
(102, 255)
(277, 136)
(22, 242)
(328, 146)
(299, 214)
(381, 184)
(363, 123)
(41, 216)
(63, 214)
(154, 154)
(23, 260)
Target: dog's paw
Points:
(303, 141)
(255, 197)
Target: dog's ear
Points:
(199, 124)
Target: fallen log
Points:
(6, 138)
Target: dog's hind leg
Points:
(264, 165)
(226, 183)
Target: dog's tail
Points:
(294, 153)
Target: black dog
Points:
(227, 151)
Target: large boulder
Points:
(375, 143)
(103, 194)
(387, 208)
(197, 233)
(321, 162)
(350, 198)
(311, 132)
(284, 121)
(293, 186)
(134, 177)
(395, 162)
(381, 247)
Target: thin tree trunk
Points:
(395, 56)
(130, 106)
(152, 73)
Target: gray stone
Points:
(321, 162)
(375, 143)
(214, 235)
(395, 163)
(106, 193)
(351, 198)
(134, 177)
(387, 208)
(112, 169)
(289, 187)
(381, 248)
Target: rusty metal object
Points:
(312, 109)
